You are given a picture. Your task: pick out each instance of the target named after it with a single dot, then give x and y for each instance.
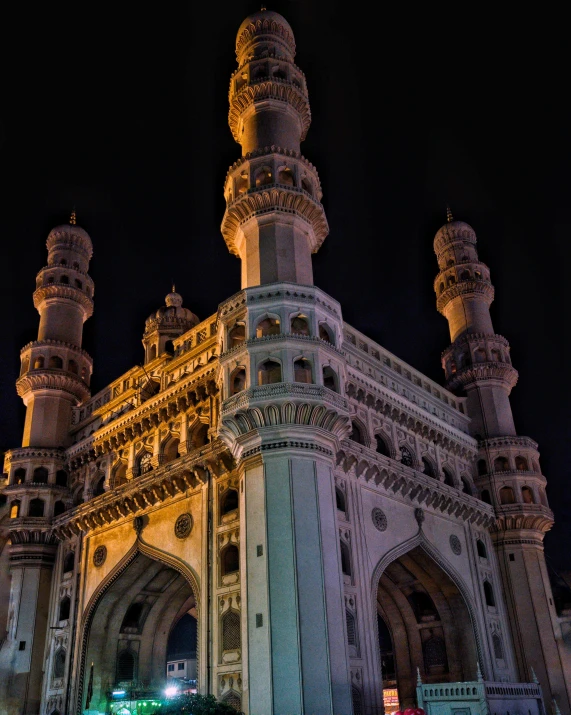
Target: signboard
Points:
(390, 700)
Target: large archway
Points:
(127, 631)
(423, 623)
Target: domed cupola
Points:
(165, 324)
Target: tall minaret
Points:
(274, 220)
(54, 377)
(508, 474)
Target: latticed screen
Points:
(357, 702)
(234, 700)
(351, 635)
(231, 631)
(125, 666)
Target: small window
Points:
(170, 667)
(527, 495)
(19, 476)
(269, 373)
(501, 464)
(36, 508)
(229, 502)
(59, 663)
(231, 639)
(40, 475)
(180, 666)
(482, 467)
(299, 325)
(78, 284)
(302, 371)
(382, 446)
(268, 326)
(61, 478)
(340, 499)
(481, 547)
(521, 464)
(72, 367)
(237, 335)
(330, 380)
(64, 606)
(351, 630)
(448, 477)
(507, 495)
(69, 562)
(99, 485)
(125, 666)
(325, 333)
(428, 468)
(230, 560)
(55, 363)
(345, 559)
(22, 645)
(64, 279)
(39, 363)
(237, 381)
(489, 594)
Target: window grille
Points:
(234, 700)
(231, 631)
(351, 630)
(434, 653)
(125, 666)
(357, 702)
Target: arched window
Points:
(302, 371)
(64, 279)
(382, 446)
(489, 594)
(132, 617)
(36, 507)
(263, 176)
(406, 456)
(119, 475)
(59, 663)
(199, 436)
(269, 373)
(231, 631)
(434, 650)
(451, 280)
(125, 666)
(25, 366)
(69, 562)
(340, 499)
(480, 355)
(481, 547)
(357, 701)
(351, 630)
(14, 509)
(285, 174)
(145, 463)
(171, 450)
(306, 185)
(330, 380)
(39, 363)
(230, 560)
(428, 468)
(485, 496)
(55, 363)
(72, 367)
(466, 487)
(448, 477)
(521, 464)
(325, 333)
(78, 496)
(99, 485)
(498, 648)
(501, 464)
(299, 325)
(345, 559)
(152, 352)
(507, 495)
(19, 476)
(465, 276)
(40, 475)
(423, 607)
(268, 326)
(527, 495)
(237, 335)
(64, 606)
(61, 478)
(229, 502)
(356, 433)
(59, 508)
(78, 284)
(482, 467)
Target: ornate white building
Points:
(339, 525)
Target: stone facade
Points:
(336, 522)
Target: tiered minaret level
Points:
(508, 474)
(274, 220)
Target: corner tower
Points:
(508, 474)
(274, 220)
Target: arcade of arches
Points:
(128, 639)
(423, 622)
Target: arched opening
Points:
(39, 363)
(231, 631)
(448, 477)
(55, 363)
(19, 476)
(36, 507)
(72, 367)
(137, 625)
(64, 607)
(406, 457)
(171, 450)
(485, 496)
(521, 464)
(152, 354)
(489, 594)
(326, 334)
(64, 279)
(15, 509)
(466, 486)
(119, 475)
(230, 560)
(430, 626)
(25, 366)
(330, 379)
(306, 185)
(507, 495)
(340, 500)
(263, 176)
(59, 508)
(501, 464)
(268, 326)
(69, 562)
(59, 663)
(481, 548)
(229, 502)
(428, 468)
(299, 325)
(345, 559)
(61, 478)
(169, 347)
(99, 485)
(498, 647)
(527, 495)
(285, 174)
(382, 446)
(480, 355)
(482, 467)
(269, 373)
(199, 435)
(357, 433)
(302, 371)
(40, 475)
(182, 650)
(236, 335)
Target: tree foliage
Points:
(196, 705)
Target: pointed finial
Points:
(479, 675)
(534, 676)
(263, 8)
(73, 217)
(449, 217)
(173, 288)
(418, 678)
(556, 710)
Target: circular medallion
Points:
(379, 519)
(99, 555)
(183, 526)
(455, 545)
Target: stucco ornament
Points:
(183, 526)
(455, 545)
(379, 519)
(99, 555)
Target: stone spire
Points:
(274, 219)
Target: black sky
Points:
(122, 112)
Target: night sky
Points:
(122, 112)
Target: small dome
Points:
(451, 232)
(171, 315)
(262, 22)
(173, 299)
(70, 235)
